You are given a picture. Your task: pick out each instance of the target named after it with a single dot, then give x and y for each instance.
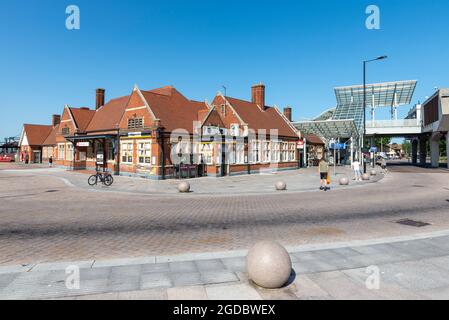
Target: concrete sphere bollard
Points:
(269, 265)
(373, 172)
(281, 186)
(366, 177)
(184, 187)
(344, 181)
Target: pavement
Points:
(409, 268)
(49, 216)
(263, 183)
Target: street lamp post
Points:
(364, 107)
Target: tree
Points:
(407, 147)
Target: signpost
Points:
(300, 145)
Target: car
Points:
(6, 158)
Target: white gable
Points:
(23, 139)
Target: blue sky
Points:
(301, 50)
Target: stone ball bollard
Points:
(269, 265)
(373, 172)
(184, 187)
(281, 186)
(366, 177)
(344, 181)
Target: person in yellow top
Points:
(323, 169)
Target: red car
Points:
(6, 158)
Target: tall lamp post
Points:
(364, 105)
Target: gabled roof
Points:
(314, 139)
(108, 116)
(36, 134)
(267, 119)
(210, 117)
(82, 117)
(51, 139)
(173, 109)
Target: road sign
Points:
(300, 144)
(338, 146)
(373, 149)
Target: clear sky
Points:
(300, 50)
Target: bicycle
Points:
(104, 177)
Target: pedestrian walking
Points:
(27, 158)
(50, 162)
(356, 168)
(323, 169)
(383, 165)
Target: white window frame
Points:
(207, 150)
(61, 151)
(69, 152)
(127, 151)
(144, 150)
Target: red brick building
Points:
(31, 142)
(161, 134)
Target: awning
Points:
(92, 137)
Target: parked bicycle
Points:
(104, 177)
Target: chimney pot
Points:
(99, 98)
(258, 95)
(288, 113)
(56, 119)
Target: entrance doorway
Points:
(36, 157)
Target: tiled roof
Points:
(313, 139)
(51, 139)
(256, 119)
(173, 109)
(36, 134)
(82, 117)
(108, 117)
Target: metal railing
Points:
(403, 123)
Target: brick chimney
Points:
(288, 113)
(99, 99)
(258, 95)
(55, 120)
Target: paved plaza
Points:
(413, 269)
(143, 239)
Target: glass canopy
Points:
(388, 94)
(330, 129)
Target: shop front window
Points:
(127, 152)
(69, 155)
(144, 152)
(61, 151)
(111, 155)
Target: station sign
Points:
(83, 144)
(338, 146)
(100, 158)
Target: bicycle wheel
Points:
(108, 180)
(92, 180)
